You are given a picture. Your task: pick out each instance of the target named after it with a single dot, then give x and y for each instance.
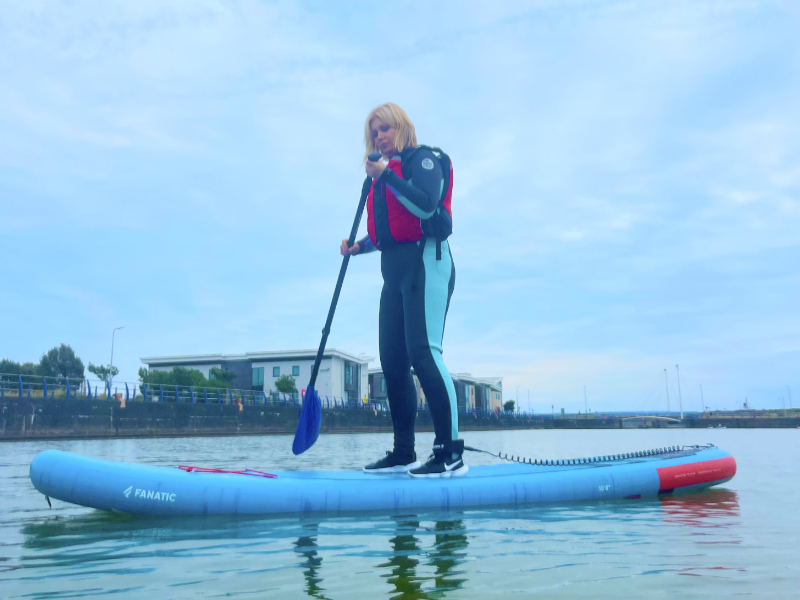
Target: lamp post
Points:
(585, 402)
(666, 384)
(680, 399)
(790, 396)
(111, 377)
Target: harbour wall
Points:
(53, 418)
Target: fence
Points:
(34, 386)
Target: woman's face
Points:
(383, 135)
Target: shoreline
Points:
(31, 419)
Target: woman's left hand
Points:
(374, 168)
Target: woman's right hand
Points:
(344, 250)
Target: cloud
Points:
(626, 180)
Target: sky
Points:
(626, 185)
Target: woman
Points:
(418, 280)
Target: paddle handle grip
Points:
(374, 156)
(342, 270)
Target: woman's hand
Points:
(344, 250)
(374, 168)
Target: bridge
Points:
(653, 417)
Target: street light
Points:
(585, 402)
(111, 377)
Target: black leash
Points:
(587, 460)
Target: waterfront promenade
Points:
(69, 418)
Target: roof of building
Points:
(197, 359)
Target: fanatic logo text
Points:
(149, 494)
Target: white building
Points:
(341, 375)
(482, 393)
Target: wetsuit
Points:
(415, 297)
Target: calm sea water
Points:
(740, 540)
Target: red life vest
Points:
(404, 226)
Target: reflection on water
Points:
(450, 537)
(402, 563)
(712, 508)
(306, 546)
(420, 556)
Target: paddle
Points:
(311, 413)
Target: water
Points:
(740, 540)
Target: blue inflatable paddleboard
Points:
(148, 490)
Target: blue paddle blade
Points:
(310, 421)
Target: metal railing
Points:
(35, 386)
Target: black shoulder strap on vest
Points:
(444, 161)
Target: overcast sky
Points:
(627, 185)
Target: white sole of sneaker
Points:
(456, 473)
(397, 469)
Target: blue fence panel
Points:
(205, 393)
(160, 393)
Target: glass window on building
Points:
(348, 375)
(258, 377)
(296, 371)
(383, 384)
(276, 371)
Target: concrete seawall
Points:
(37, 418)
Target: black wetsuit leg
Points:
(411, 330)
(395, 361)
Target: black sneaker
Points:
(441, 464)
(393, 463)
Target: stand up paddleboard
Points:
(146, 490)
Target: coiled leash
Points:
(590, 459)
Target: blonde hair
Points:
(393, 115)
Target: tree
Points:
(223, 376)
(9, 369)
(14, 368)
(61, 361)
(181, 376)
(509, 406)
(286, 384)
(103, 372)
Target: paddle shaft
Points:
(327, 329)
